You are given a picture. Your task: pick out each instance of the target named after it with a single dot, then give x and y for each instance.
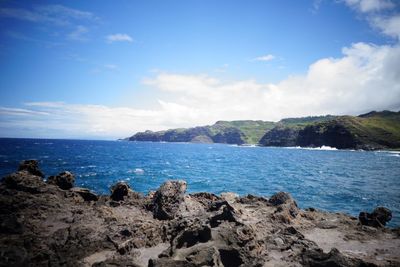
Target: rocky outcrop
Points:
(42, 224)
(167, 199)
(119, 191)
(287, 208)
(378, 218)
(64, 180)
(31, 166)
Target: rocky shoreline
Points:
(53, 223)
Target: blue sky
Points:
(106, 69)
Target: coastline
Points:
(56, 223)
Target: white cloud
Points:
(370, 5)
(268, 57)
(388, 25)
(56, 14)
(119, 37)
(381, 15)
(20, 112)
(79, 34)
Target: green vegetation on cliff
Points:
(374, 130)
(230, 132)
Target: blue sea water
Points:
(343, 181)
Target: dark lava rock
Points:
(317, 258)
(31, 166)
(167, 199)
(9, 224)
(226, 213)
(24, 181)
(280, 198)
(119, 191)
(86, 194)
(378, 218)
(165, 262)
(287, 208)
(190, 237)
(64, 180)
(43, 225)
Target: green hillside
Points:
(374, 130)
(230, 132)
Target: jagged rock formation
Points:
(42, 224)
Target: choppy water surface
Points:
(346, 181)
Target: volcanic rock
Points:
(167, 199)
(86, 194)
(44, 225)
(31, 166)
(119, 191)
(378, 218)
(64, 180)
(24, 181)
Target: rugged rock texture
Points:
(64, 180)
(281, 136)
(31, 166)
(44, 225)
(167, 199)
(119, 191)
(378, 218)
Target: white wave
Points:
(138, 171)
(249, 145)
(312, 148)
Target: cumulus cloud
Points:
(388, 25)
(370, 5)
(381, 15)
(268, 57)
(119, 37)
(363, 79)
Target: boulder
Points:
(280, 198)
(167, 199)
(287, 208)
(64, 180)
(86, 194)
(119, 191)
(31, 166)
(378, 218)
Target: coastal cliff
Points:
(227, 132)
(53, 223)
(371, 131)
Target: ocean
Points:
(332, 180)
